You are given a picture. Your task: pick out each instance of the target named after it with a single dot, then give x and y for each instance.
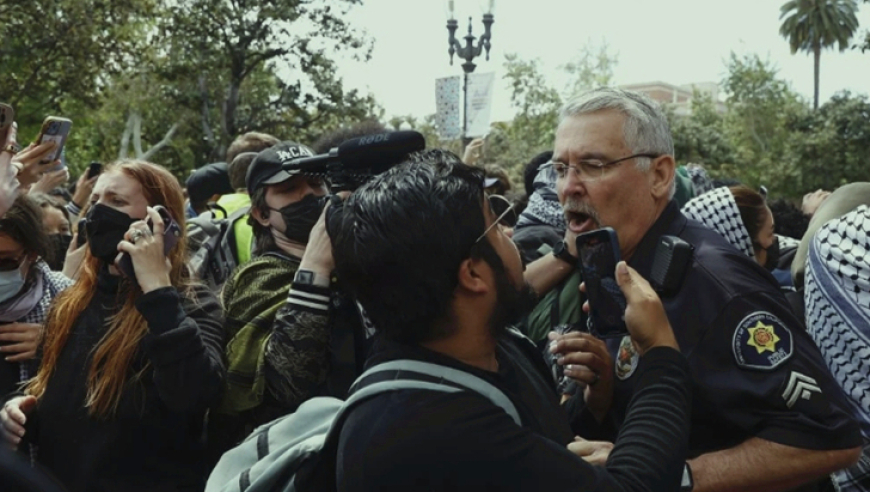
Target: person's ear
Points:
(662, 174)
(258, 216)
(473, 274)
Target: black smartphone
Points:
(171, 235)
(94, 169)
(81, 231)
(598, 253)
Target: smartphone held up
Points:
(54, 129)
(171, 235)
(598, 253)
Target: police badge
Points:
(627, 358)
(761, 341)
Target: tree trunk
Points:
(231, 105)
(159, 145)
(137, 134)
(206, 128)
(125, 138)
(817, 55)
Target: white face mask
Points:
(11, 283)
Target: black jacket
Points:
(425, 440)
(154, 441)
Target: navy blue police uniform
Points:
(756, 373)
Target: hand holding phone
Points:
(54, 129)
(598, 253)
(645, 315)
(171, 234)
(94, 169)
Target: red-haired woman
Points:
(129, 366)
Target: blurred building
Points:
(678, 97)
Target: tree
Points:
(699, 137)
(58, 53)
(763, 111)
(592, 68)
(263, 64)
(532, 130)
(813, 25)
(832, 146)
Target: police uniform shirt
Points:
(756, 373)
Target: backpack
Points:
(212, 242)
(297, 452)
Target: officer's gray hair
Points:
(645, 129)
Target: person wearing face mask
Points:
(55, 218)
(279, 347)
(742, 217)
(129, 364)
(27, 288)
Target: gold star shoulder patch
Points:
(761, 341)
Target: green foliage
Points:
(814, 25)
(512, 144)
(831, 147)
(700, 138)
(592, 68)
(177, 81)
(769, 136)
(811, 24)
(761, 111)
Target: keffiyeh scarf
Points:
(718, 211)
(837, 296)
(544, 207)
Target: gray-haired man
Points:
(766, 414)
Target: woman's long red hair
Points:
(110, 371)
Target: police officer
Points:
(766, 413)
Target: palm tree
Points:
(812, 25)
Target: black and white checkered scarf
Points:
(837, 297)
(544, 207)
(718, 211)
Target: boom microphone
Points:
(379, 151)
(358, 159)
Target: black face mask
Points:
(105, 229)
(59, 247)
(772, 255)
(300, 217)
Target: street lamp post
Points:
(468, 52)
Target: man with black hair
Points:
(448, 299)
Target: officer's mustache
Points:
(580, 211)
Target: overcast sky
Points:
(676, 41)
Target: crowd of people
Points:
(150, 330)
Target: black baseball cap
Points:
(207, 181)
(268, 167)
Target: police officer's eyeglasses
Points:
(589, 170)
(497, 222)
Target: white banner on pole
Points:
(447, 103)
(479, 103)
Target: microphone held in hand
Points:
(357, 160)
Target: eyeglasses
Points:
(8, 264)
(497, 221)
(592, 169)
